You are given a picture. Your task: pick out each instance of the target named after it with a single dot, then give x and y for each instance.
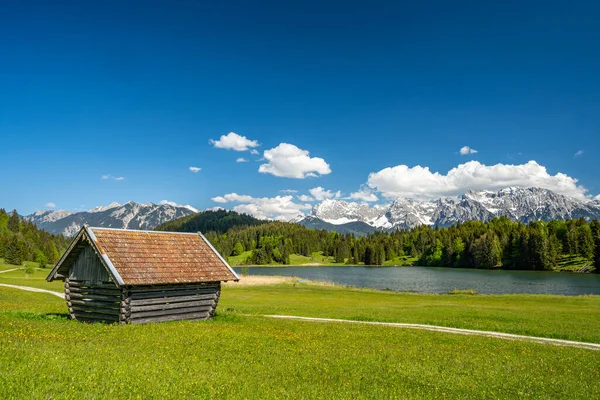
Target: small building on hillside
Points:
(134, 277)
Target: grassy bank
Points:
(240, 354)
(44, 355)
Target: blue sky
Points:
(382, 96)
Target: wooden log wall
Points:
(173, 302)
(95, 302)
(140, 304)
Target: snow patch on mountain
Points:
(130, 215)
(519, 204)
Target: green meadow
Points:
(240, 354)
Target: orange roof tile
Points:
(152, 258)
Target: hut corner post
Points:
(68, 299)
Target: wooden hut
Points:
(128, 276)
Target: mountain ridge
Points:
(130, 215)
(518, 204)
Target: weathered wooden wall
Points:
(92, 302)
(95, 302)
(88, 267)
(172, 302)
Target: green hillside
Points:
(218, 221)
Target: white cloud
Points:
(171, 203)
(195, 169)
(288, 191)
(254, 151)
(304, 197)
(420, 182)
(50, 204)
(467, 150)
(321, 194)
(289, 161)
(233, 141)
(278, 207)
(114, 178)
(579, 153)
(241, 159)
(364, 195)
(233, 197)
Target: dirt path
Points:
(10, 270)
(32, 289)
(499, 335)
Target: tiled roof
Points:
(152, 258)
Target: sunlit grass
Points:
(43, 355)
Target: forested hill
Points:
(21, 240)
(219, 221)
(498, 243)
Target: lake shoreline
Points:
(439, 279)
(313, 265)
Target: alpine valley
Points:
(518, 204)
(130, 215)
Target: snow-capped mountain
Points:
(519, 204)
(130, 215)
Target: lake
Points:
(443, 280)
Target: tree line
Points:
(21, 240)
(499, 243)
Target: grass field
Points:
(242, 355)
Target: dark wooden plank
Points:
(201, 303)
(96, 321)
(106, 292)
(103, 311)
(90, 315)
(80, 296)
(158, 313)
(172, 293)
(169, 300)
(162, 288)
(177, 317)
(94, 303)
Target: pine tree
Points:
(585, 241)
(595, 228)
(13, 222)
(12, 252)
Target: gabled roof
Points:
(149, 257)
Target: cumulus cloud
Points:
(467, 150)
(50, 204)
(253, 151)
(241, 159)
(321, 194)
(364, 194)
(288, 191)
(233, 141)
(114, 178)
(195, 169)
(233, 197)
(419, 182)
(289, 161)
(304, 197)
(278, 208)
(579, 153)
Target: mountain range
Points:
(130, 215)
(518, 204)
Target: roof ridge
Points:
(140, 230)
